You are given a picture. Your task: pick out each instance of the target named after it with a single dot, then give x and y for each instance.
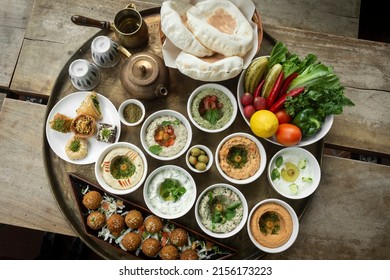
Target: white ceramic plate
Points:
(305, 140)
(68, 106)
(240, 224)
(225, 91)
(157, 115)
(294, 233)
(98, 168)
(169, 209)
(263, 158)
(312, 170)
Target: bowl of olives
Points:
(199, 158)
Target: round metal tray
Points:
(180, 88)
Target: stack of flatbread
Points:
(213, 37)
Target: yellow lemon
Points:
(264, 123)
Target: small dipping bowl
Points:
(123, 108)
(207, 152)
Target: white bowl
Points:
(99, 174)
(305, 140)
(228, 117)
(312, 170)
(263, 158)
(240, 224)
(157, 117)
(122, 108)
(295, 226)
(208, 153)
(169, 209)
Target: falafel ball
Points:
(134, 219)
(96, 220)
(153, 224)
(150, 247)
(131, 241)
(169, 252)
(115, 224)
(189, 254)
(179, 237)
(92, 200)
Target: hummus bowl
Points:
(221, 210)
(212, 108)
(240, 158)
(166, 135)
(294, 173)
(327, 124)
(273, 225)
(121, 168)
(169, 192)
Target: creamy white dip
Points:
(179, 129)
(205, 213)
(301, 184)
(170, 207)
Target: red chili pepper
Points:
(258, 89)
(275, 90)
(278, 104)
(287, 82)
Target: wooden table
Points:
(349, 214)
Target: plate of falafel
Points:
(137, 231)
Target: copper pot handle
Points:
(85, 21)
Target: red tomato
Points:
(288, 134)
(282, 116)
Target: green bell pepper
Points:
(308, 120)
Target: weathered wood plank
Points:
(348, 217)
(14, 17)
(26, 199)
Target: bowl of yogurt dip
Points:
(169, 192)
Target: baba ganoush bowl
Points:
(221, 210)
(169, 192)
(212, 108)
(121, 168)
(294, 173)
(240, 158)
(166, 135)
(273, 225)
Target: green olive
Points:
(193, 160)
(203, 158)
(200, 166)
(195, 152)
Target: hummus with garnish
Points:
(122, 168)
(271, 225)
(239, 158)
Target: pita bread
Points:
(173, 24)
(213, 68)
(221, 27)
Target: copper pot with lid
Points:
(144, 75)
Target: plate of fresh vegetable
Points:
(300, 97)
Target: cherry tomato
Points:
(288, 134)
(282, 116)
